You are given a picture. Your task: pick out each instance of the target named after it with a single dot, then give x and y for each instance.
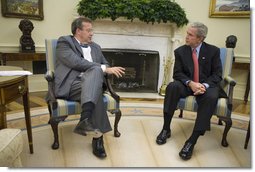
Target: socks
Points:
(87, 109)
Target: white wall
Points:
(58, 15)
(218, 30)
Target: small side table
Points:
(11, 88)
(19, 56)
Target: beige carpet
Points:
(137, 147)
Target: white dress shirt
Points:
(87, 54)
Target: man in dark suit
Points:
(79, 76)
(198, 72)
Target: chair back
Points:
(226, 56)
(51, 45)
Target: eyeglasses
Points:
(87, 30)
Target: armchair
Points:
(60, 109)
(224, 106)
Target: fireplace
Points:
(126, 36)
(142, 69)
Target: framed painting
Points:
(30, 9)
(229, 8)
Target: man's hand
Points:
(117, 71)
(197, 88)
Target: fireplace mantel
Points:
(124, 34)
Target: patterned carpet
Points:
(140, 123)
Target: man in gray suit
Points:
(79, 76)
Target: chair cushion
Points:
(189, 103)
(67, 107)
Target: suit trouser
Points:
(206, 103)
(88, 88)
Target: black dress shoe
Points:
(98, 147)
(163, 135)
(85, 127)
(187, 151)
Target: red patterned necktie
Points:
(196, 67)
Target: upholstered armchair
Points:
(11, 146)
(224, 106)
(60, 109)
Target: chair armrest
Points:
(110, 89)
(49, 76)
(231, 82)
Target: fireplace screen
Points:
(142, 69)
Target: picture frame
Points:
(29, 9)
(229, 8)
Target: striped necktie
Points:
(196, 66)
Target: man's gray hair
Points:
(201, 29)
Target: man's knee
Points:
(212, 96)
(174, 86)
(94, 71)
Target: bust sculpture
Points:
(26, 42)
(231, 41)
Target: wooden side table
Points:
(19, 56)
(11, 88)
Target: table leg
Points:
(3, 123)
(28, 121)
(247, 138)
(247, 90)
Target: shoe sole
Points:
(80, 132)
(96, 133)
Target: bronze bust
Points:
(26, 42)
(231, 41)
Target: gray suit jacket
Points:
(70, 63)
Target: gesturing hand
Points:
(117, 71)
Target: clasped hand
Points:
(117, 71)
(197, 88)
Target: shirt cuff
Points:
(206, 85)
(187, 82)
(103, 67)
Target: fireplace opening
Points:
(142, 69)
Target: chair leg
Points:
(220, 122)
(181, 113)
(247, 138)
(54, 125)
(228, 122)
(116, 122)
